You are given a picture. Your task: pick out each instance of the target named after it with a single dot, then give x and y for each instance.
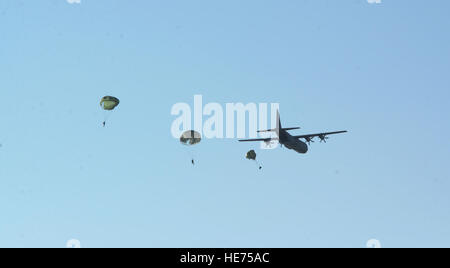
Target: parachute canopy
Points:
(109, 103)
(251, 155)
(190, 137)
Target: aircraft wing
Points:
(265, 140)
(308, 136)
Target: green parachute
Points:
(190, 138)
(108, 103)
(251, 155)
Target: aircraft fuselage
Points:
(292, 143)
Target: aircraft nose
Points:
(304, 148)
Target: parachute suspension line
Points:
(251, 155)
(258, 164)
(191, 155)
(106, 116)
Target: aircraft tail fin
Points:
(279, 126)
(277, 130)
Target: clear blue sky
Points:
(377, 70)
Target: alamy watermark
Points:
(73, 243)
(373, 243)
(236, 120)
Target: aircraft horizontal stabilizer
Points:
(275, 130)
(264, 140)
(268, 130)
(291, 128)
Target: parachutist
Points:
(108, 103)
(251, 155)
(191, 138)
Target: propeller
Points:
(323, 138)
(309, 140)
